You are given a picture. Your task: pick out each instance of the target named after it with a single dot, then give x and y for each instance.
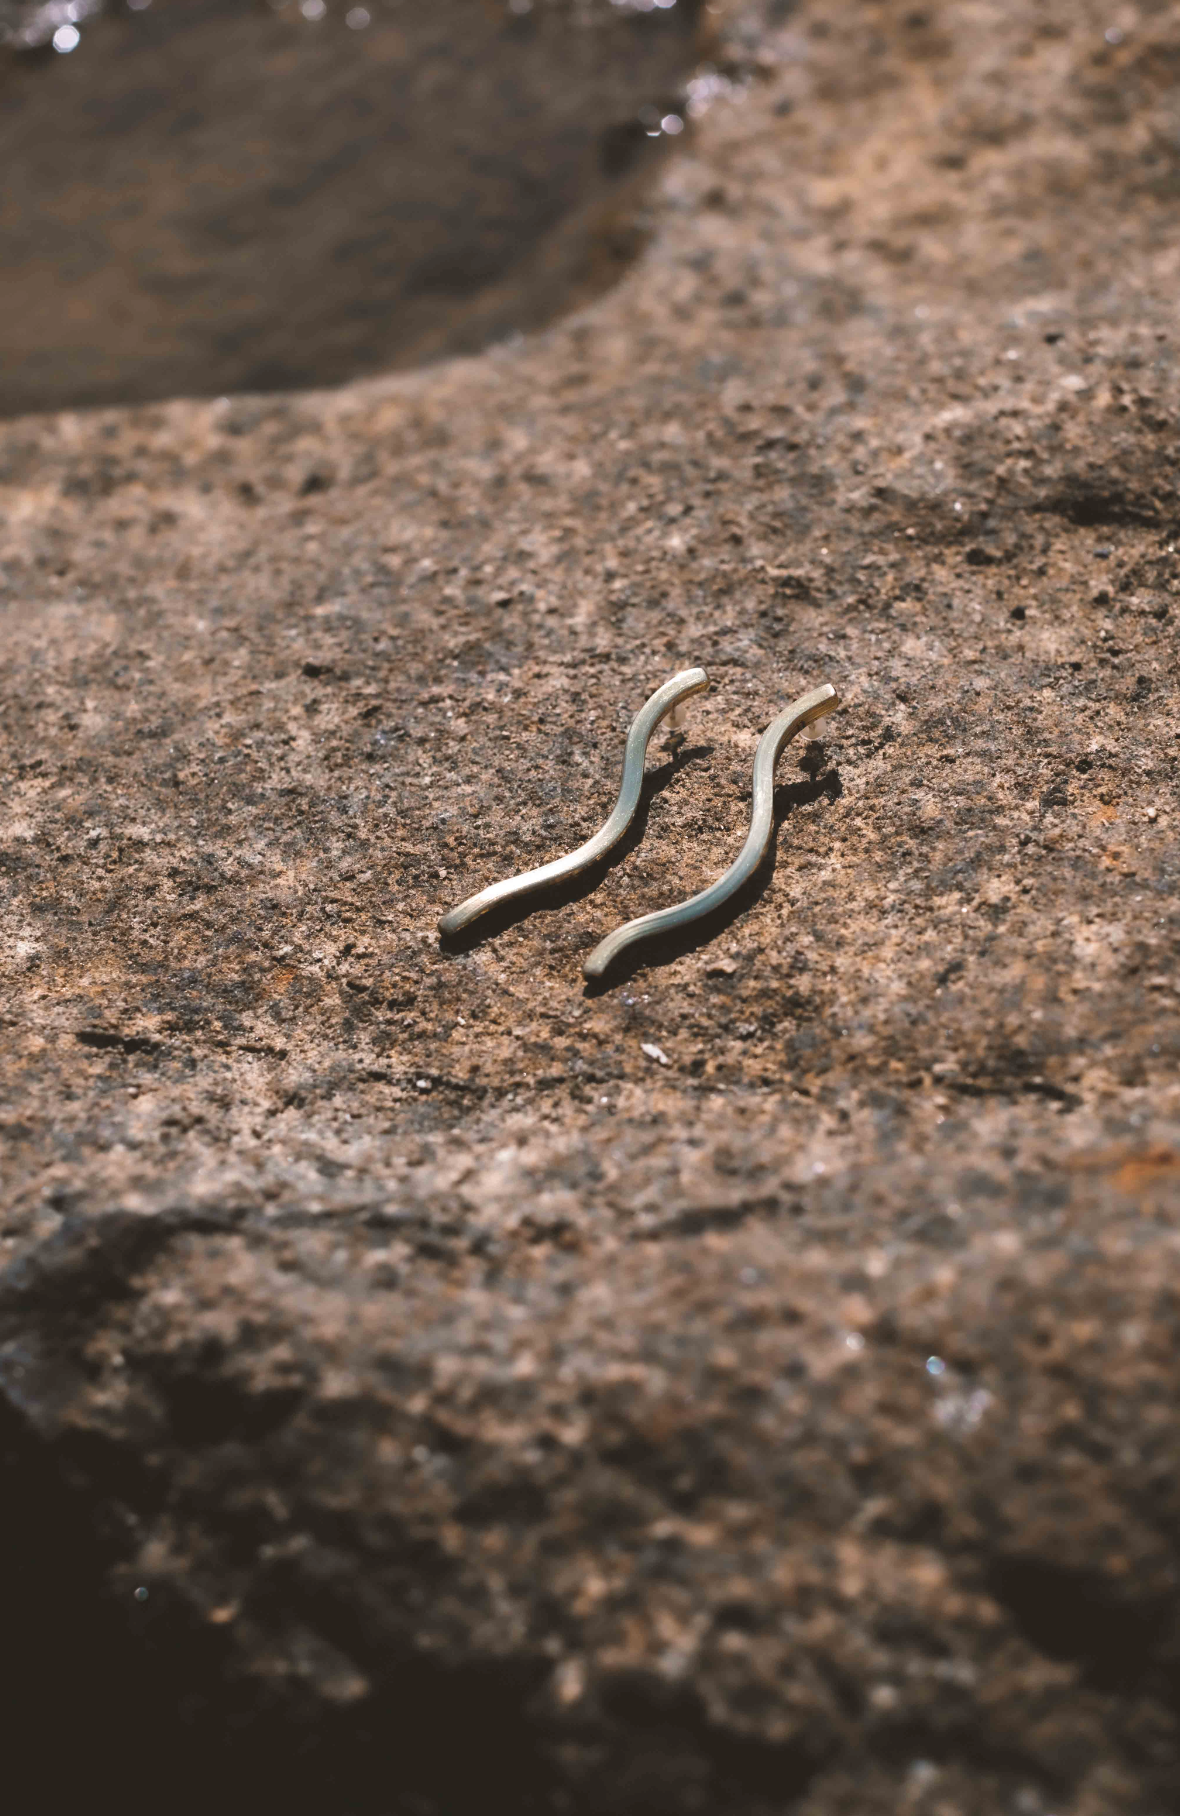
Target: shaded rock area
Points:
(751, 1388)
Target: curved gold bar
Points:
(801, 712)
(681, 687)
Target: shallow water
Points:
(205, 196)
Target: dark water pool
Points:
(205, 196)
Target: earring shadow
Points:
(655, 953)
(575, 888)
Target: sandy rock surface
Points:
(752, 1387)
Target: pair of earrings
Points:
(777, 735)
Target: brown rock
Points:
(410, 1387)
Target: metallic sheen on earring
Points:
(801, 712)
(681, 687)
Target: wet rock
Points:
(218, 196)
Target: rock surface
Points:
(751, 1388)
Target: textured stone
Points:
(412, 1387)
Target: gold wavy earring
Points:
(777, 735)
(665, 699)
